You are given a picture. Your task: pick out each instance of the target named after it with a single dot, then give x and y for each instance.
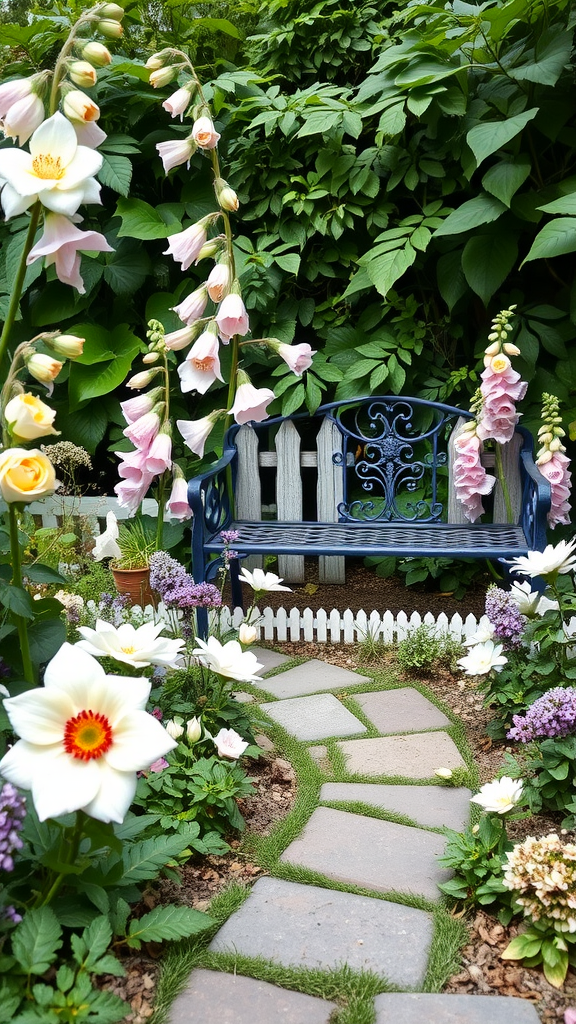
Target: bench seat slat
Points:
(436, 539)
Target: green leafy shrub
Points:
(423, 647)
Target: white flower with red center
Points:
(135, 647)
(61, 244)
(84, 735)
(57, 171)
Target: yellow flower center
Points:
(87, 736)
(48, 167)
(27, 476)
(128, 650)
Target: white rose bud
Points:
(193, 730)
(174, 729)
(247, 634)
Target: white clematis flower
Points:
(57, 171)
(229, 660)
(482, 659)
(84, 735)
(136, 647)
(500, 796)
(484, 633)
(106, 544)
(554, 559)
(262, 581)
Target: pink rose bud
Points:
(97, 54)
(83, 74)
(79, 107)
(204, 134)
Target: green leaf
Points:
(451, 280)
(396, 375)
(116, 173)
(505, 178)
(481, 210)
(490, 136)
(423, 69)
(46, 638)
(16, 600)
(144, 860)
(522, 946)
(39, 573)
(384, 270)
(127, 268)
(555, 239)
(290, 262)
(57, 302)
(293, 399)
(101, 378)
(556, 973)
(486, 261)
(393, 120)
(167, 923)
(140, 220)
(87, 426)
(553, 51)
(36, 940)
(566, 204)
(97, 937)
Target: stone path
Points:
(378, 917)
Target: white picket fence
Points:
(349, 627)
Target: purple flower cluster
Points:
(111, 607)
(177, 587)
(550, 717)
(229, 536)
(12, 814)
(507, 621)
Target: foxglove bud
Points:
(79, 107)
(226, 196)
(142, 379)
(67, 345)
(110, 28)
(113, 11)
(162, 77)
(150, 357)
(97, 54)
(44, 368)
(82, 73)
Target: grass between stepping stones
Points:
(450, 935)
(353, 991)
(369, 811)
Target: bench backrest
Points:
(375, 459)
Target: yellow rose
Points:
(25, 475)
(29, 418)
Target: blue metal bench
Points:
(382, 478)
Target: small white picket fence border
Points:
(349, 627)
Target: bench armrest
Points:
(209, 500)
(536, 502)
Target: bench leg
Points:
(202, 623)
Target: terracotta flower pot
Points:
(135, 583)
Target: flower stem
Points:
(72, 839)
(21, 625)
(503, 484)
(19, 280)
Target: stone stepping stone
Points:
(415, 756)
(370, 853)
(431, 806)
(424, 1008)
(314, 718)
(403, 710)
(318, 753)
(214, 998)
(311, 677)
(308, 926)
(269, 659)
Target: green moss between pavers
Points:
(353, 992)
